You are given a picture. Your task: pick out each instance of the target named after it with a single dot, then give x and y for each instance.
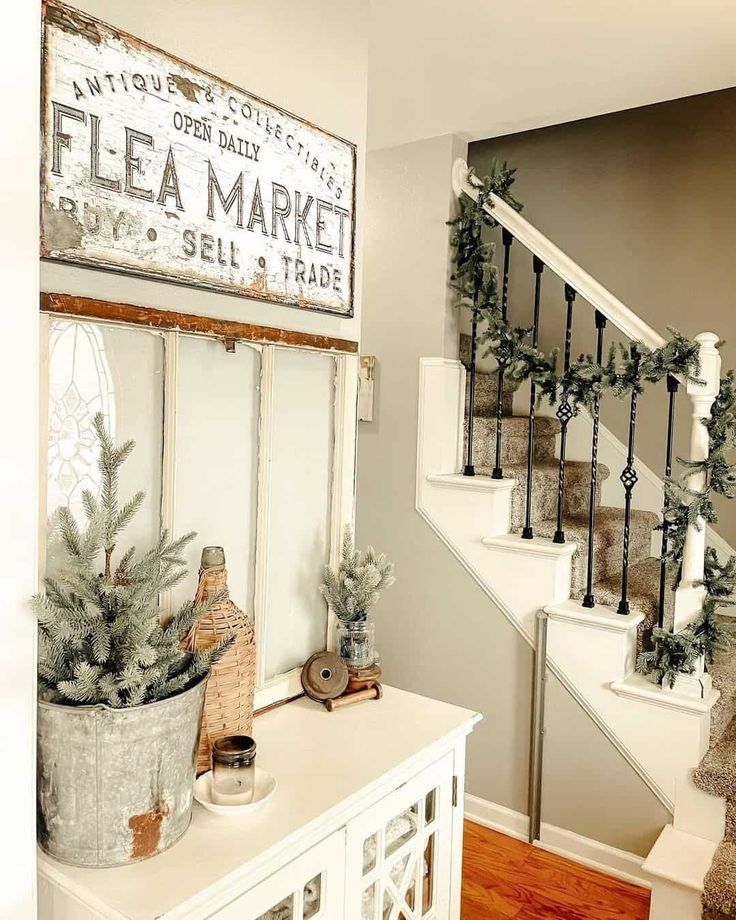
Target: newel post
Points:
(689, 596)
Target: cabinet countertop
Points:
(327, 765)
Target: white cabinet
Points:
(311, 887)
(398, 851)
(362, 826)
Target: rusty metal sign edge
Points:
(101, 264)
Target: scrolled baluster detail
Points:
(589, 597)
(629, 478)
(564, 414)
(507, 240)
(528, 531)
(672, 387)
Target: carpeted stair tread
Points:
(710, 914)
(544, 491)
(723, 671)
(544, 488)
(643, 589)
(717, 771)
(608, 541)
(720, 881)
(514, 439)
(486, 396)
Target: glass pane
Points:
(284, 910)
(401, 828)
(430, 807)
(217, 414)
(119, 372)
(313, 896)
(370, 850)
(388, 903)
(398, 870)
(368, 906)
(301, 483)
(428, 871)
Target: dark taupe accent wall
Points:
(644, 200)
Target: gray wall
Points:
(437, 632)
(644, 200)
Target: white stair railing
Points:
(689, 596)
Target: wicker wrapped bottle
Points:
(228, 705)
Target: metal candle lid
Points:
(211, 556)
(234, 750)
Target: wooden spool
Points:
(228, 705)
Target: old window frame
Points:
(266, 339)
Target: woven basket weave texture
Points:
(228, 705)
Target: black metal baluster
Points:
(564, 414)
(672, 387)
(629, 479)
(507, 240)
(469, 468)
(528, 533)
(589, 597)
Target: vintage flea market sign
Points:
(153, 167)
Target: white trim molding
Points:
(592, 853)
(591, 654)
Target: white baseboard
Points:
(616, 863)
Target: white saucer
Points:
(265, 786)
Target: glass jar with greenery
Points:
(350, 593)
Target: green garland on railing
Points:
(475, 280)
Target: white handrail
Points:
(560, 263)
(702, 393)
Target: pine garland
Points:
(100, 639)
(625, 371)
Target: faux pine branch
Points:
(358, 582)
(100, 635)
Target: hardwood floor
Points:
(507, 878)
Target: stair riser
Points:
(544, 495)
(608, 556)
(723, 712)
(730, 833)
(486, 396)
(514, 440)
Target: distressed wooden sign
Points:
(153, 167)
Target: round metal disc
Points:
(324, 676)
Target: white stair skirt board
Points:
(677, 865)
(590, 652)
(666, 733)
(697, 812)
(616, 863)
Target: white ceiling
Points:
(485, 68)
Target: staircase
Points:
(682, 742)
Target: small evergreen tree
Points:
(100, 637)
(359, 580)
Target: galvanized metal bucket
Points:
(115, 785)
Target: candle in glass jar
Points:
(233, 770)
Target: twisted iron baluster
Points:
(672, 387)
(507, 239)
(629, 479)
(528, 533)
(589, 597)
(469, 467)
(564, 414)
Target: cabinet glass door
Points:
(399, 851)
(311, 887)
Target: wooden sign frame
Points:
(153, 167)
